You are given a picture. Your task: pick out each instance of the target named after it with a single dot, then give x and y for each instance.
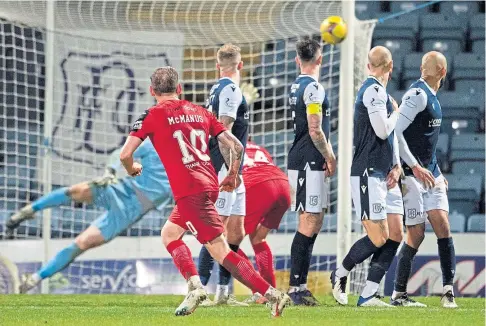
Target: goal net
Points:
(76, 77)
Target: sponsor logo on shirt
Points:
(435, 123)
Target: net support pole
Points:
(345, 139)
(48, 106)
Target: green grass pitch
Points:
(93, 310)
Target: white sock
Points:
(303, 287)
(342, 272)
(448, 288)
(396, 294)
(370, 289)
(293, 289)
(222, 289)
(36, 277)
(195, 282)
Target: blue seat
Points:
(469, 86)
(468, 66)
(462, 9)
(460, 112)
(477, 27)
(397, 6)
(471, 167)
(396, 46)
(400, 28)
(478, 46)
(463, 207)
(367, 9)
(467, 147)
(457, 222)
(465, 187)
(476, 223)
(450, 47)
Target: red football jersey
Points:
(179, 131)
(258, 166)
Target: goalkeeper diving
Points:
(126, 201)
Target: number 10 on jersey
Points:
(194, 135)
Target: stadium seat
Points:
(462, 9)
(473, 87)
(443, 151)
(477, 27)
(397, 6)
(397, 46)
(467, 147)
(478, 47)
(464, 186)
(463, 207)
(476, 223)
(442, 32)
(367, 9)
(398, 34)
(460, 112)
(471, 167)
(468, 66)
(450, 47)
(457, 222)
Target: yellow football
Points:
(333, 30)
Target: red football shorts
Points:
(266, 203)
(197, 214)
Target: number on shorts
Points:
(187, 157)
(259, 158)
(191, 228)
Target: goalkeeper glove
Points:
(250, 92)
(108, 178)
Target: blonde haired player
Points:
(229, 106)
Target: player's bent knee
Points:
(440, 223)
(218, 248)
(309, 222)
(85, 242)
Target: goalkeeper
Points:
(126, 201)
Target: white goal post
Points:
(77, 73)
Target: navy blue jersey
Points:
(303, 154)
(226, 99)
(420, 111)
(372, 155)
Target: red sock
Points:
(264, 262)
(243, 271)
(243, 255)
(182, 258)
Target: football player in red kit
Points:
(179, 131)
(267, 200)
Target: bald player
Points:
(375, 172)
(424, 186)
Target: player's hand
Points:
(330, 166)
(229, 183)
(393, 176)
(135, 170)
(424, 176)
(394, 103)
(250, 92)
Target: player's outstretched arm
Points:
(126, 156)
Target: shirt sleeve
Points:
(215, 127)
(230, 99)
(314, 94)
(396, 151)
(143, 125)
(374, 99)
(413, 102)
